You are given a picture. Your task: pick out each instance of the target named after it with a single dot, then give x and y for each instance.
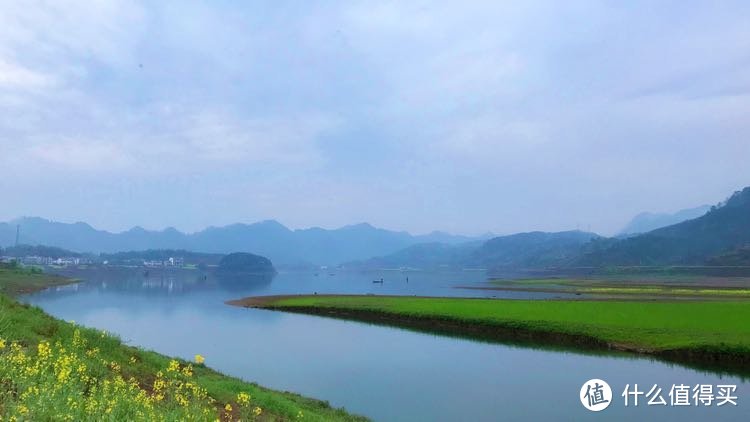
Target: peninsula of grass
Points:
(15, 280)
(715, 334)
(56, 370)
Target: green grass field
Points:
(663, 287)
(56, 370)
(648, 325)
(23, 280)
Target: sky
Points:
(465, 117)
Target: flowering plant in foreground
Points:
(70, 381)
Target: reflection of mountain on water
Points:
(161, 282)
(242, 282)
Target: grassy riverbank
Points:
(56, 370)
(15, 281)
(710, 332)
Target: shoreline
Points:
(31, 325)
(699, 357)
(15, 283)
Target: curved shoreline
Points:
(705, 358)
(31, 325)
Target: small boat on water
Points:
(378, 281)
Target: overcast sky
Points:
(465, 117)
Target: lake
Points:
(385, 373)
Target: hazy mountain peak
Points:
(648, 221)
(724, 228)
(360, 226)
(268, 238)
(273, 223)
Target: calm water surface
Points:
(385, 373)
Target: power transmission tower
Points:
(18, 233)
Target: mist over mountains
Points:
(520, 250)
(722, 231)
(720, 236)
(647, 221)
(267, 238)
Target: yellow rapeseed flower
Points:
(243, 399)
(2, 344)
(199, 359)
(43, 350)
(174, 366)
(188, 371)
(228, 408)
(257, 411)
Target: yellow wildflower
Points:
(174, 366)
(2, 344)
(181, 400)
(243, 399)
(199, 359)
(43, 350)
(228, 408)
(257, 411)
(300, 415)
(188, 371)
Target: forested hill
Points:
(532, 249)
(724, 228)
(520, 250)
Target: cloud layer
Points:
(458, 116)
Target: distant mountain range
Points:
(718, 235)
(521, 250)
(647, 221)
(724, 229)
(267, 238)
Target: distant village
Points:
(67, 261)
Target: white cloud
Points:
(14, 77)
(80, 155)
(460, 103)
(274, 140)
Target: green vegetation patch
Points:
(645, 325)
(18, 280)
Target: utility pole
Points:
(18, 233)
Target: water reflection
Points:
(244, 283)
(176, 282)
(386, 373)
